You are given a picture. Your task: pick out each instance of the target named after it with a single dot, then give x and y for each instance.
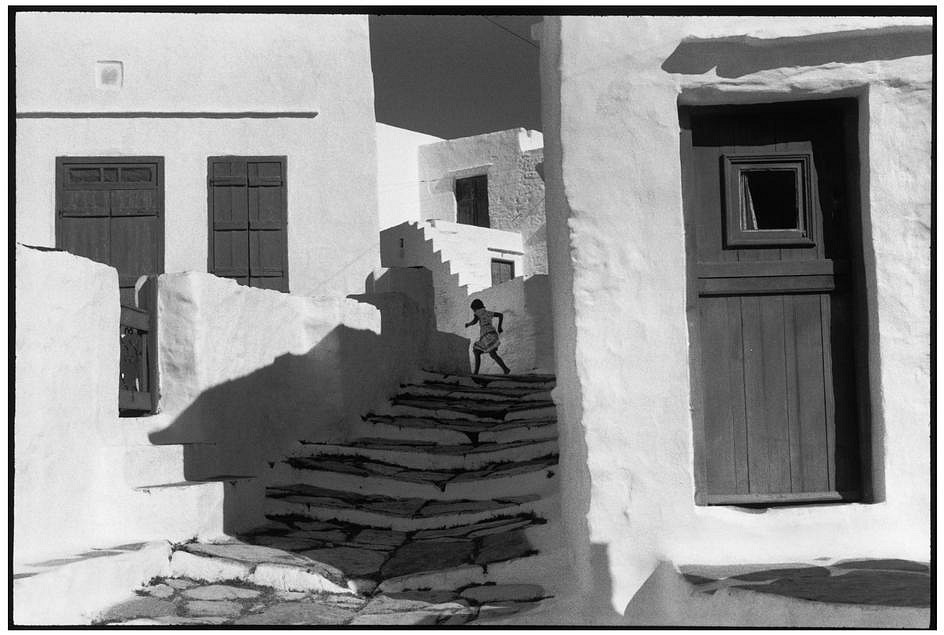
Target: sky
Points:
(455, 75)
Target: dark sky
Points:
(455, 76)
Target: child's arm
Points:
(500, 317)
(474, 320)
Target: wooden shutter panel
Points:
(247, 217)
(110, 209)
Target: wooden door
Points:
(111, 210)
(768, 211)
(472, 201)
(248, 220)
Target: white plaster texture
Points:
(79, 591)
(398, 176)
(211, 64)
(617, 251)
(459, 257)
(255, 371)
(511, 160)
(73, 488)
(527, 343)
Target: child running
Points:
(488, 336)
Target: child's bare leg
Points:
(478, 361)
(494, 355)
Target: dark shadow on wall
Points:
(743, 55)
(235, 431)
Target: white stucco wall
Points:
(527, 340)
(617, 248)
(515, 188)
(255, 371)
(215, 65)
(398, 177)
(76, 463)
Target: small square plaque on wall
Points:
(109, 75)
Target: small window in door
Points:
(767, 200)
(502, 271)
(472, 201)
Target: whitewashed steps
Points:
(454, 431)
(432, 456)
(468, 395)
(449, 558)
(497, 381)
(353, 474)
(390, 512)
(446, 485)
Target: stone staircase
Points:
(449, 486)
(450, 483)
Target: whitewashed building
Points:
(739, 215)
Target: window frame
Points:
(510, 263)
(737, 235)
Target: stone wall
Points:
(307, 77)
(512, 161)
(616, 239)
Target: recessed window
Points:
(502, 271)
(767, 200)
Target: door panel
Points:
(779, 403)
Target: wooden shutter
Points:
(111, 210)
(247, 214)
(502, 271)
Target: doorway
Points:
(775, 279)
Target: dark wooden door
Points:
(472, 200)
(248, 220)
(768, 212)
(111, 210)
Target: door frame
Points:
(859, 299)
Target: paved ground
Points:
(900, 583)
(179, 601)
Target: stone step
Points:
(397, 560)
(447, 392)
(353, 474)
(454, 431)
(432, 456)
(480, 408)
(394, 512)
(537, 382)
(256, 564)
(483, 390)
(450, 411)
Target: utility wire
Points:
(507, 30)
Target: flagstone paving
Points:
(266, 606)
(399, 526)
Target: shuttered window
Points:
(111, 210)
(247, 218)
(502, 271)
